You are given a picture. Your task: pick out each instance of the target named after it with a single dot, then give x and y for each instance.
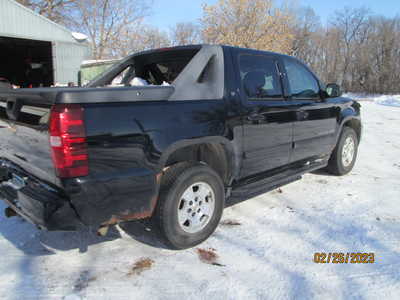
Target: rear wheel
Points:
(190, 205)
(344, 155)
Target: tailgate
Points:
(24, 120)
(26, 142)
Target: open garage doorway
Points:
(26, 63)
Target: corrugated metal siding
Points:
(67, 58)
(18, 21)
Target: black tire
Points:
(176, 181)
(336, 165)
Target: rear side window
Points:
(303, 84)
(159, 67)
(260, 78)
(163, 66)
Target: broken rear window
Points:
(155, 68)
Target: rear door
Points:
(267, 122)
(315, 119)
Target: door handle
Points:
(256, 117)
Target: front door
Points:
(315, 119)
(267, 117)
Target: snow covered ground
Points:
(263, 250)
(389, 100)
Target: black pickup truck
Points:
(212, 122)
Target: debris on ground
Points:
(140, 266)
(230, 222)
(209, 256)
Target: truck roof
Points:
(210, 46)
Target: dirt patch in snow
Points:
(230, 222)
(140, 266)
(322, 181)
(209, 256)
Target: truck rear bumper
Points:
(84, 201)
(35, 201)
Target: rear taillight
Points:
(68, 140)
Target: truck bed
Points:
(49, 96)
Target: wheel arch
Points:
(353, 122)
(350, 117)
(216, 152)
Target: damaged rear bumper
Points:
(36, 201)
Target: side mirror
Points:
(333, 90)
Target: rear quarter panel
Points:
(128, 144)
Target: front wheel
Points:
(190, 205)
(344, 155)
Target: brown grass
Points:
(141, 265)
(208, 256)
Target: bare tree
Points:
(106, 21)
(383, 55)
(351, 23)
(154, 38)
(51, 9)
(306, 24)
(139, 38)
(248, 23)
(185, 34)
(357, 50)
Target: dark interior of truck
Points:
(163, 66)
(26, 63)
(156, 68)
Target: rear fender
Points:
(231, 149)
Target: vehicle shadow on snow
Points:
(146, 232)
(143, 231)
(41, 243)
(323, 172)
(34, 242)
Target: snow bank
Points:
(388, 100)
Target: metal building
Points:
(36, 51)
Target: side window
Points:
(259, 77)
(303, 84)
